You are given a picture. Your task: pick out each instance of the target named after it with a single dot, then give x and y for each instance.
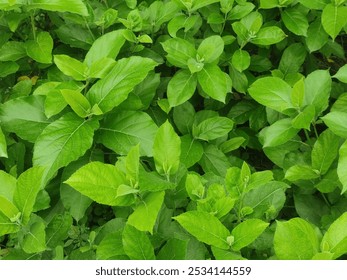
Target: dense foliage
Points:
(175, 129)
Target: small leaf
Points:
(205, 227)
(71, 67)
(246, 232)
(77, 102)
(334, 19)
(166, 150)
(213, 128)
(341, 74)
(295, 21)
(269, 36)
(211, 48)
(241, 60)
(145, 214)
(9, 209)
(301, 172)
(295, 239)
(337, 122)
(179, 51)
(40, 49)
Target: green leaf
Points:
(71, 67)
(167, 150)
(40, 49)
(194, 187)
(202, 3)
(7, 185)
(214, 82)
(272, 92)
(341, 74)
(29, 184)
(35, 240)
(58, 229)
(152, 182)
(266, 200)
(334, 19)
(102, 189)
(292, 59)
(210, 49)
(317, 90)
(278, 133)
(3, 145)
(295, 239)
(145, 214)
(295, 20)
(9, 209)
(181, 87)
(123, 130)
(100, 68)
(335, 239)
(191, 151)
(214, 160)
(213, 128)
(8, 68)
(110, 247)
(24, 116)
(112, 90)
(298, 93)
(137, 245)
(132, 164)
(314, 4)
(337, 122)
(241, 60)
(269, 36)
(77, 101)
(204, 227)
(325, 151)
(342, 165)
(301, 172)
(174, 249)
(63, 141)
(71, 6)
(12, 51)
(108, 45)
(316, 36)
(304, 118)
(246, 232)
(179, 51)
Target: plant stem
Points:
(33, 27)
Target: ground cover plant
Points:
(175, 129)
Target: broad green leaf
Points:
(269, 4)
(112, 90)
(316, 36)
(334, 19)
(201, 3)
(191, 151)
(325, 151)
(108, 45)
(110, 247)
(183, 116)
(63, 141)
(317, 90)
(35, 240)
(77, 101)
(3, 145)
(278, 133)
(58, 229)
(301, 172)
(101, 67)
(269, 36)
(194, 187)
(213, 128)
(272, 92)
(210, 49)
(132, 164)
(298, 93)
(232, 144)
(221, 254)
(179, 51)
(9, 209)
(137, 245)
(337, 122)
(71, 6)
(335, 239)
(40, 49)
(71, 67)
(295, 20)
(241, 60)
(246, 232)
(204, 227)
(214, 82)
(24, 116)
(102, 189)
(29, 184)
(145, 214)
(8, 68)
(181, 87)
(166, 150)
(314, 4)
(240, 11)
(12, 51)
(7, 185)
(292, 59)
(123, 130)
(341, 74)
(152, 182)
(295, 239)
(266, 200)
(214, 160)
(342, 166)
(174, 249)
(6, 226)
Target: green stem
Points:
(33, 27)
(308, 137)
(315, 130)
